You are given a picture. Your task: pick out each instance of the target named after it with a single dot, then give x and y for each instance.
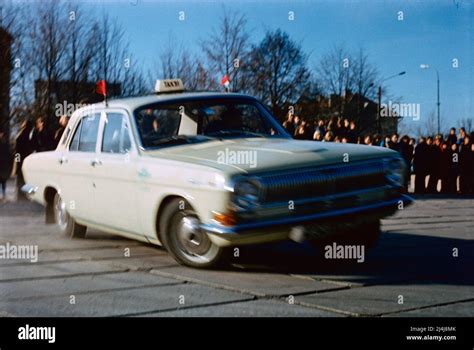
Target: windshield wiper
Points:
(178, 140)
(235, 133)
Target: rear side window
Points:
(85, 136)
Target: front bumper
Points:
(279, 228)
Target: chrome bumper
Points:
(383, 208)
(29, 190)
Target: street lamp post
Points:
(379, 95)
(426, 66)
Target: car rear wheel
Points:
(182, 236)
(66, 224)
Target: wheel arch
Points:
(48, 194)
(159, 222)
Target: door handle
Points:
(95, 162)
(62, 160)
(143, 173)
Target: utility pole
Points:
(438, 103)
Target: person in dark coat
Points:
(435, 161)
(302, 132)
(421, 165)
(406, 151)
(289, 125)
(445, 167)
(42, 139)
(23, 148)
(393, 143)
(60, 130)
(452, 185)
(466, 159)
(452, 138)
(5, 163)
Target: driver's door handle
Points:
(62, 160)
(96, 162)
(143, 173)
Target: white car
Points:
(198, 172)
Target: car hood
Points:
(249, 155)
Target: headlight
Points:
(247, 194)
(394, 169)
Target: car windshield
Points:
(193, 121)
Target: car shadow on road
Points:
(398, 258)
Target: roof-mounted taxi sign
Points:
(169, 85)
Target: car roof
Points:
(132, 103)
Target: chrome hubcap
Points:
(191, 237)
(61, 213)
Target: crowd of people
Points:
(31, 137)
(439, 163)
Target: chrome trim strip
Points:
(222, 230)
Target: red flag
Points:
(225, 80)
(101, 88)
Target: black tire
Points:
(181, 237)
(66, 224)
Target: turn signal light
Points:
(225, 219)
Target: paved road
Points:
(411, 272)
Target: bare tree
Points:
(11, 46)
(110, 53)
(334, 71)
(133, 81)
(227, 50)
(278, 68)
(175, 61)
(47, 51)
(429, 125)
(364, 75)
(81, 51)
(113, 62)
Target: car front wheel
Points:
(182, 236)
(67, 225)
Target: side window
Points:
(89, 132)
(116, 137)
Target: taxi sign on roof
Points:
(169, 85)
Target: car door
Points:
(114, 175)
(76, 185)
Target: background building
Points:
(5, 74)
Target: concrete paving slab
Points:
(253, 308)
(122, 302)
(465, 309)
(35, 271)
(268, 284)
(378, 300)
(20, 290)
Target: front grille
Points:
(320, 181)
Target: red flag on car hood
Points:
(225, 80)
(101, 88)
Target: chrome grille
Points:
(320, 181)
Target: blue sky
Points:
(432, 32)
